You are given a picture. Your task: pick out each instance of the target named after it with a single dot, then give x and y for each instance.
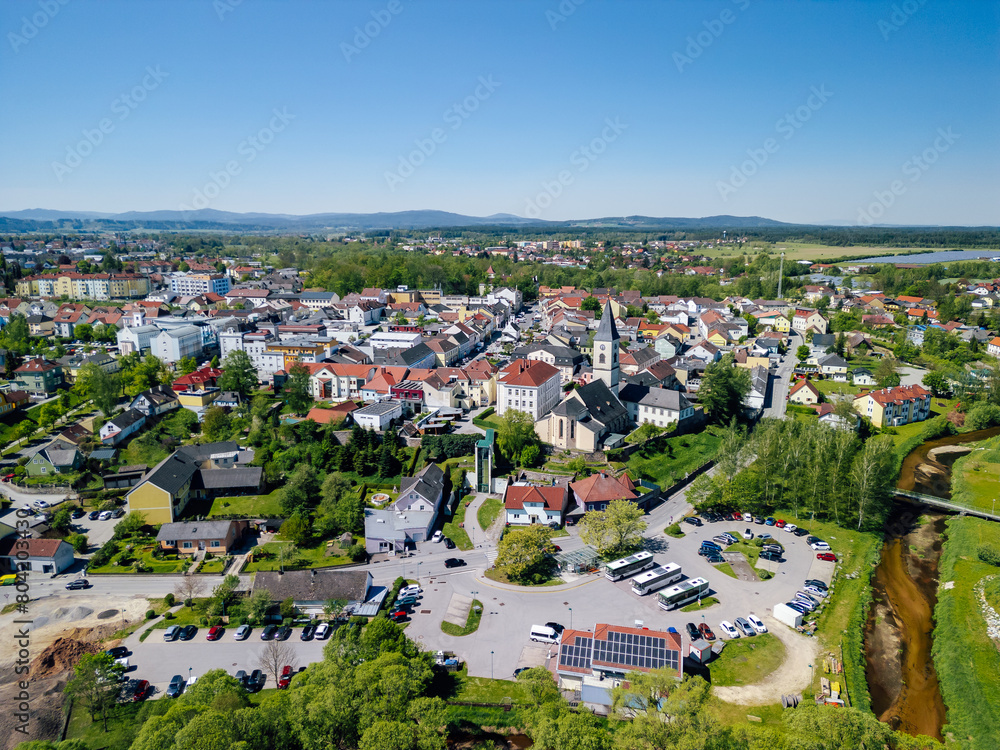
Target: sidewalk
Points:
(582, 581)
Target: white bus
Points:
(656, 579)
(683, 593)
(630, 565)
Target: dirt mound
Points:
(46, 712)
(60, 657)
(107, 614)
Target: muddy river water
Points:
(899, 632)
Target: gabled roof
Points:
(527, 373)
(552, 498)
(43, 548)
(602, 487)
(804, 385)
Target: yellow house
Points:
(197, 400)
(716, 337)
(165, 491)
(804, 393)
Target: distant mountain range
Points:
(43, 219)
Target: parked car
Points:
(747, 518)
(176, 686)
(411, 590)
(117, 652)
(731, 537)
(714, 558)
(189, 632)
(308, 632)
(438, 536)
(40, 504)
(747, 534)
(820, 545)
(94, 515)
(799, 607)
(826, 556)
(79, 583)
(399, 615)
(242, 632)
(454, 562)
(769, 521)
(706, 544)
(118, 513)
(171, 633)
(692, 630)
(215, 633)
(706, 632)
(241, 677)
(555, 626)
(770, 556)
(322, 631)
(817, 583)
(736, 516)
(283, 633)
(800, 532)
(448, 543)
(722, 540)
(268, 633)
(758, 520)
(286, 677)
(757, 623)
(77, 513)
(710, 552)
(728, 630)
(790, 527)
(693, 520)
(780, 523)
(745, 627)
(813, 591)
(141, 691)
(765, 537)
(257, 680)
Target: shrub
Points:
(168, 615)
(189, 602)
(150, 614)
(209, 555)
(203, 621)
(674, 530)
(169, 600)
(765, 575)
(357, 553)
(989, 555)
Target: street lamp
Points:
(811, 677)
(491, 665)
(189, 673)
(570, 618)
(418, 573)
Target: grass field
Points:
(453, 529)
(122, 727)
(149, 562)
(488, 512)
(256, 506)
(830, 388)
(747, 660)
(967, 661)
(974, 477)
(674, 458)
(710, 601)
(305, 557)
(809, 251)
(471, 623)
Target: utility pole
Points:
(781, 274)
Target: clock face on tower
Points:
(602, 347)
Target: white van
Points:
(544, 634)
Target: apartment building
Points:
(95, 286)
(528, 386)
(193, 284)
(893, 407)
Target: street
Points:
(782, 380)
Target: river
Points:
(899, 633)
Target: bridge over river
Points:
(942, 504)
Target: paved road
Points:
(781, 380)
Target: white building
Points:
(394, 340)
(174, 344)
(137, 339)
(528, 386)
(377, 416)
(193, 284)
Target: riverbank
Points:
(967, 660)
(974, 477)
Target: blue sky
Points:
(847, 112)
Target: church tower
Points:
(606, 351)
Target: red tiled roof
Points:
(553, 498)
(527, 373)
(34, 547)
(599, 488)
(896, 395)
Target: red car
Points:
(780, 523)
(141, 691)
(215, 633)
(286, 677)
(826, 557)
(706, 632)
(737, 516)
(399, 615)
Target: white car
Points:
(411, 590)
(105, 515)
(757, 624)
(438, 536)
(40, 504)
(728, 629)
(747, 518)
(322, 631)
(747, 534)
(242, 633)
(790, 527)
(820, 546)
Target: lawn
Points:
(184, 615)
(974, 477)
(167, 564)
(750, 551)
(306, 557)
(122, 727)
(674, 458)
(251, 506)
(454, 530)
(830, 388)
(471, 623)
(938, 406)
(726, 568)
(215, 565)
(710, 601)
(488, 512)
(746, 661)
(818, 253)
(967, 661)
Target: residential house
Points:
(157, 400)
(191, 537)
(12, 400)
(118, 429)
(805, 319)
(755, 399)
(893, 407)
(660, 406)
(48, 556)
(39, 376)
(804, 393)
(634, 361)
(863, 376)
(833, 366)
(411, 518)
(566, 359)
(55, 457)
(173, 344)
(310, 590)
(526, 504)
(597, 490)
(377, 416)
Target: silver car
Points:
(242, 632)
(745, 627)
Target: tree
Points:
(301, 490)
(187, 365)
(646, 431)
(217, 424)
(96, 683)
(615, 530)
(61, 521)
(885, 374)
(83, 332)
(132, 522)
(257, 605)
(982, 414)
(238, 373)
(723, 389)
(937, 381)
(333, 608)
(276, 655)
(189, 587)
(296, 528)
(593, 304)
(388, 464)
(840, 344)
(296, 389)
(49, 413)
(102, 387)
(387, 735)
(521, 552)
(531, 455)
(515, 432)
(802, 353)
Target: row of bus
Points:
(650, 577)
